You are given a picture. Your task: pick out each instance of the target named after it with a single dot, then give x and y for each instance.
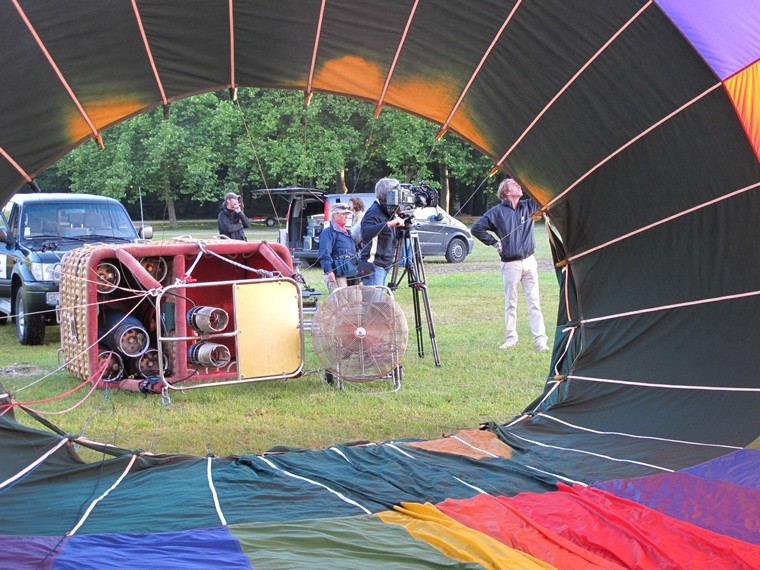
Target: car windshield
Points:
(75, 220)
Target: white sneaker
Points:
(542, 347)
(509, 344)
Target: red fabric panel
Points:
(619, 531)
(500, 520)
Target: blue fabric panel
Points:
(741, 467)
(29, 551)
(202, 548)
(725, 32)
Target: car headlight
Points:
(46, 271)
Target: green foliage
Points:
(210, 145)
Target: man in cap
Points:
(337, 251)
(231, 220)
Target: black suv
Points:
(36, 230)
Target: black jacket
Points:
(512, 226)
(378, 251)
(232, 223)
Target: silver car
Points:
(309, 209)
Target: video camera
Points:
(405, 197)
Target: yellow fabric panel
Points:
(457, 541)
(744, 90)
(470, 442)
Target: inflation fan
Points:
(360, 334)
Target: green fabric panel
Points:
(23, 445)
(352, 542)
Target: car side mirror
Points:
(145, 232)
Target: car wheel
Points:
(456, 251)
(30, 329)
(270, 222)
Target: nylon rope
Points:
(86, 349)
(36, 463)
(258, 161)
(468, 444)
(475, 73)
(15, 165)
(635, 436)
(556, 384)
(343, 455)
(673, 306)
(94, 503)
(666, 220)
(629, 143)
(59, 74)
(572, 80)
(317, 483)
(584, 452)
(473, 487)
(217, 506)
(401, 451)
(560, 477)
(665, 386)
(149, 53)
(392, 68)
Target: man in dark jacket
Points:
(231, 219)
(379, 234)
(513, 226)
(337, 250)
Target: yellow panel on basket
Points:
(270, 341)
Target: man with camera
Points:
(379, 234)
(231, 220)
(511, 222)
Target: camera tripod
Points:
(408, 248)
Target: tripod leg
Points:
(421, 287)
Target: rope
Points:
(217, 506)
(103, 496)
(32, 466)
(341, 496)
(600, 455)
(649, 437)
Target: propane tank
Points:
(115, 364)
(123, 333)
(108, 277)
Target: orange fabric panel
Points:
(457, 541)
(744, 90)
(470, 443)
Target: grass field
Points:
(477, 382)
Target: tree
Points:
(211, 144)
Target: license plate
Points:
(53, 299)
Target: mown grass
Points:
(477, 382)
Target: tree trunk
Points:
(170, 205)
(445, 198)
(340, 181)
